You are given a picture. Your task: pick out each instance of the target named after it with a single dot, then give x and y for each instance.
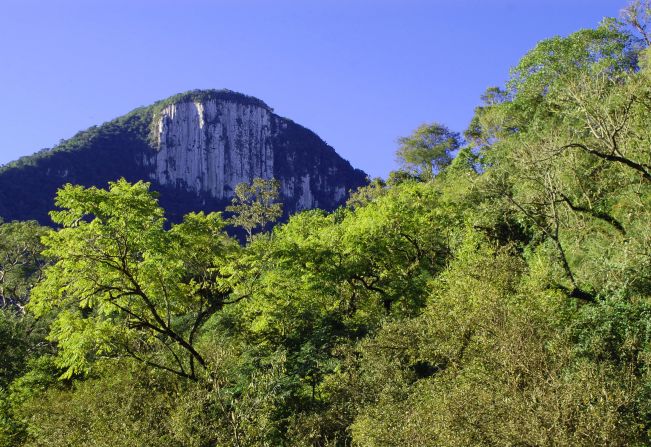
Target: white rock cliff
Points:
(209, 146)
(194, 148)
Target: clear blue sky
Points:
(360, 73)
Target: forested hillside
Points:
(493, 291)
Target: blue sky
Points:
(360, 73)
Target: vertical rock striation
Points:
(195, 148)
(210, 147)
(208, 144)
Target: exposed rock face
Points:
(194, 148)
(212, 146)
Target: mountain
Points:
(194, 148)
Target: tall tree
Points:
(125, 285)
(638, 15)
(428, 150)
(254, 205)
(566, 150)
(21, 262)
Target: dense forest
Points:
(493, 291)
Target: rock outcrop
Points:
(194, 148)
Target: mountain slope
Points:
(195, 148)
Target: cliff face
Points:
(194, 148)
(212, 146)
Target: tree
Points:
(124, 285)
(429, 149)
(366, 194)
(254, 206)
(495, 360)
(566, 150)
(638, 14)
(21, 262)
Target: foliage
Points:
(254, 206)
(125, 285)
(210, 94)
(122, 406)
(638, 14)
(504, 301)
(491, 362)
(429, 149)
(21, 262)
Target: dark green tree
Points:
(21, 262)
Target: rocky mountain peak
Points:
(195, 148)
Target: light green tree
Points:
(124, 285)
(254, 205)
(428, 150)
(638, 15)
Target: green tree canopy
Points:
(254, 205)
(21, 262)
(125, 285)
(428, 150)
(504, 302)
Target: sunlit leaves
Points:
(126, 285)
